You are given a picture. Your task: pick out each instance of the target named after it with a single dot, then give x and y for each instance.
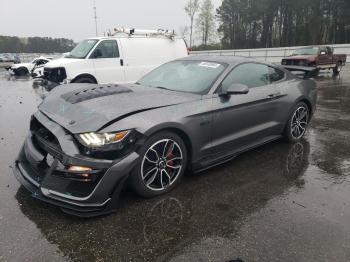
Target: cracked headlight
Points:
(96, 140)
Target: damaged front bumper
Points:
(41, 167)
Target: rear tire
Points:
(162, 165)
(22, 71)
(85, 79)
(337, 69)
(297, 123)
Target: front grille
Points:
(294, 62)
(56, 75)
(50, 173)
(42, 137)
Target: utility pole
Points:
(95, 16)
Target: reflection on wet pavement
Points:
(280, 202)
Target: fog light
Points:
(79, 168)
(78, 173)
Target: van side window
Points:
(249, 74)
(275, 74)
(108, 48)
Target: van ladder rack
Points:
(150, 33)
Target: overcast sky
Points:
(74, 18)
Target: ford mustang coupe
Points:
(86, 141)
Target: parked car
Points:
(319, 57)
(38, 70)
(27, 68)
(7, 60)
(116, 59)
(85, 141)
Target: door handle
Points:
(121, 62)
(274, 95)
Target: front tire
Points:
(297, 123)
(22, 71)
(162, 165)
(85, 79)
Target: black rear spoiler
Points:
(308, 71)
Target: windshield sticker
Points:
(210, 65)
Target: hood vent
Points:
(94, 92)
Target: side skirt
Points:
(216, 159)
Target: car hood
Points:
(301, 57)
(28, 65)
(81, 108)
(61, 62)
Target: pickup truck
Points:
(315, 58)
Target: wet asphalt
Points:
(280, 202)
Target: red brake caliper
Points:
(169, 155)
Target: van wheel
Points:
(337, 69)
(85, 79)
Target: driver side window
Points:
(249, 74)
(40, 62)
(329, 50)
(108, 48)
(322, 51)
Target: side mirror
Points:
(236, 89)
(323, 53)
(97, 53)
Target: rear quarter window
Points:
(275, 74)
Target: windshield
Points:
(184, 76)
(306, 51)
(82, 49)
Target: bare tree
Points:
(206, 21)
(184, 32)
(191, 9)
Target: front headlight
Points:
(96, 140)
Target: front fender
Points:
(168, 125)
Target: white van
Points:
(117, 59)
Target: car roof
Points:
(228, 59)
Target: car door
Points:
(243, 120)
(107, 62)
(330, 55)
(278, 79)
(324, 58)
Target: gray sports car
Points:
(86, 141)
